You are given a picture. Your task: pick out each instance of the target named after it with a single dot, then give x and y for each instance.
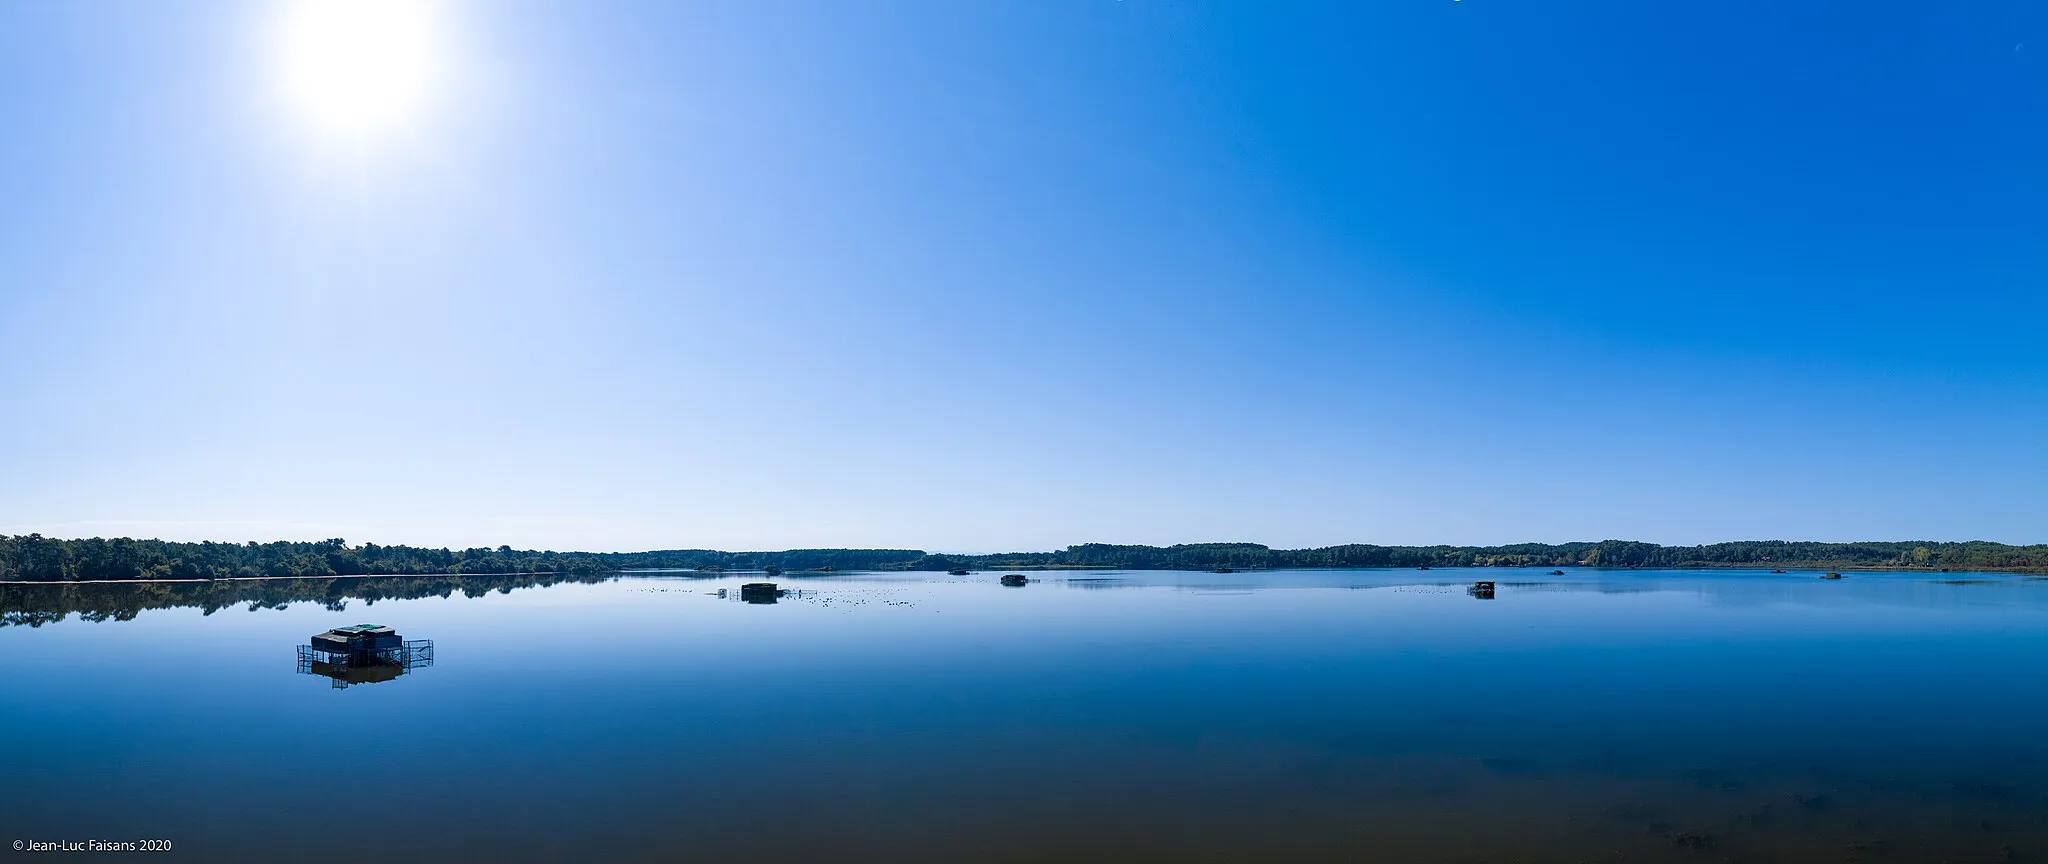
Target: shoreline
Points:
(1790, 569)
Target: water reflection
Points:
(1279, 715)
(762, 593)
(37, 604)
(34, 604)
(363, 654)
(1098, 582)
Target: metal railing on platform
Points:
(336, 666)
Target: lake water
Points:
(1087, 716)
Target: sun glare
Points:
(357, 68)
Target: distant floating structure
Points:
(1557, 572)
(1482, 589)
(1777, 571)
(759, 592)
(1831, 575)
(363, 654)
(956, 572)
(1015, 580)
(1224, 570)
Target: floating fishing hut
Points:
(1482, 589)
(1015, 580)
(759, 592)
(363, 654)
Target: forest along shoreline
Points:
(34, 558)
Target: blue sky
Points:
(993, 276)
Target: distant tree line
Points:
(792, 559)
(35, 558)
(1608, 553)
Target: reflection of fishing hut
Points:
(363, 654)
(759, 592)
(1482, 589)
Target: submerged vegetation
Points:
(34, 558)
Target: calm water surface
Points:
(1087, 716)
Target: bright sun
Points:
(358, 68)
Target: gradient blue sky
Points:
(980, 276)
